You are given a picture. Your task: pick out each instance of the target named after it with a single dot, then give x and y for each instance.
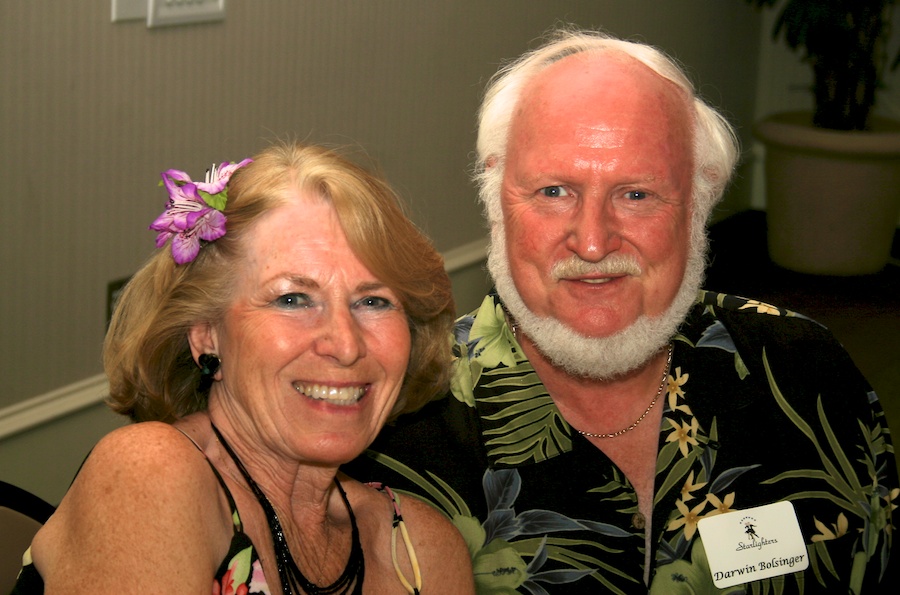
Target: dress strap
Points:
(235, 517)
(399, 525)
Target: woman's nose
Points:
(341, 338)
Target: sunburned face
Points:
(314, 347)
(596, 199)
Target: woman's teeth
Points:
(347, 395)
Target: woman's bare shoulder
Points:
(441, 552)
(149, 456)
(144, 493)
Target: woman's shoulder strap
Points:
(399, 526)
(235, 517)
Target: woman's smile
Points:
(336, 395)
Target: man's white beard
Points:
(598, 358)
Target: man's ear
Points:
(203, 339)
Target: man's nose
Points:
(594, 229)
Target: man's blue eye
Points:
(554, 191)
(636, 195)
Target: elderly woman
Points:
(289, 321)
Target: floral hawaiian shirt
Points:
(762, 406)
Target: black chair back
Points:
(21, 515)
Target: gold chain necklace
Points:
(514, 326)
(662, 384)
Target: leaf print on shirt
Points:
(687, 458)
(483, 341)
(871, 528)
(717, 336)
(493, 340)
(533, 429)
(684, 577)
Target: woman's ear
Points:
(203, 339)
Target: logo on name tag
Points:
(755, 540)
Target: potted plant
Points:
(833, 175)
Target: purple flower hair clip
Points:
(194, 210)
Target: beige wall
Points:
(91, 112)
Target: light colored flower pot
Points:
(832, 197)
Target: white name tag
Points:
(753, 544)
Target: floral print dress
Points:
(762, 406)
(241, 571)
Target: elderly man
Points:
(607, 429)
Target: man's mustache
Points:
(614, 264)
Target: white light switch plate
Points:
(177, 12)
(127, 10)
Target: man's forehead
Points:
(588, 135)
(599, 101)
(606, 75)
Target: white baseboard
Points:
(70, 399)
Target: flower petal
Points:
(220, 176)
(193, 211)
(185, 247)
(162, 237)
(174, 180)
(211, 226)
(176, 175)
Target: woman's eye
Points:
(292, 301)
(636, 195)
(554, 191)
(375, 303)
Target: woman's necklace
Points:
(662, 384)
(293, 582)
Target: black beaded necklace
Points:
(292, 579)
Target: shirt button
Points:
(638, 521)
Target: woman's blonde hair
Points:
(151, 371)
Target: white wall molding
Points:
(466, 255)
(53, 405)
(70, 399)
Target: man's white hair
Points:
(715, 155)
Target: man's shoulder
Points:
(769, 321)
(434, 449)
(445, 421)
(768, 340)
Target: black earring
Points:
(209, 365)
